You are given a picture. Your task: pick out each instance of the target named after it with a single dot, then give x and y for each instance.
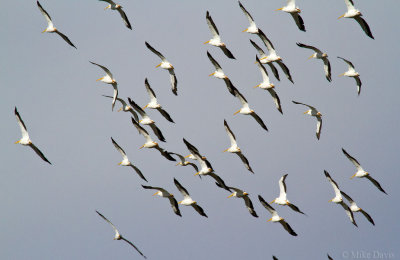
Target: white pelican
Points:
(264, 61)
(246, 110)
(206, 168)
(319, 55)
(168, 66)
(276, 217)
(355, 208)
(267, 85)
(295, 11)
(234, 148)
(125, 161)
(356, 14)
(253, 27)
(313, 112)
(361, 173)
(150, 143)
(273, 57)
(125, 107)
(118, 236)
(50, 26)
(282, 200)
(146, 120)
(216, 39)
(114, 6)
(338, 198)
(218, 73)
(351, 72)
(153, 104)
(183, 162)
(25, 140)
(109, 79)
(187, 200)
(238, 193)
(165, 194)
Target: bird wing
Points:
(308, 47)
(138, 172)
(333, 183)
(327, 69)
(150, 91)
(141, 130)
(319, 127)
(195, 167)
(181, 157)
(376, 183)
(249, 206)
(266, 42)
(353, 160)
(137, 108)
(38, 152)
(214, 62)
(227, 52)
(350, 200)
(275, 71)
(349, 213)
(115, 95)
(219, 180)
(240, 97)
(230, 86)
(259, 50)
(298, 103)
(199, 210)
(174, 206)
(367, 216)
(157, 132)
(119, 99)
(109, 222)
(299, 21)
(267, 206)
(181, 189)
(358, 81)
(248, 15)
(348, 62)
(137, 249)
(108, 72)
(192, 149)
(120, 150)
(295, 208)
(165, 114)
(108, 1)
(155, 52)
(165, 153)
(287, 227)
(291, 4)
(154, 188)
(125, 18)
(231, 135)
(282, 186)
(44, 13)
(21, 124)
(264, 72)
(364, 26)
(65, 38)
(285, 70)
(259, 120)
(212, 26)
(174, 81)
(349, 4)
(245, 161)
(277, 101)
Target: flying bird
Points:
(339, 200)
(125, 107)
(50, 26)
(150, 143)
(125, 161)
(187, 200)
(109, 79)
(356, 14)
(167, 66)
(246, 110)
(183, 162)
(267, 85)
(276, 217)
(253, 27)
(361, 173)
(353, 207)
(146, 120)
(264, 61)
(234, 148)
(165, 194)
(219, 73)
(313, 112)
(295, 11)
(351, 72)
(319, 55)
(216, 39)
(114, 6)
(25, 140)
(238, 193)
(118, 236)
(282, 200)
(153, 104)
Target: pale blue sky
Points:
(48, 212)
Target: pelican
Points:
(109, 79)
(282, 200)
(355, 208)
(338, 198)
(183, 162)
(319, 55)
(356, 14)
(167, 66)
(206, 168)
(50, 26)
(216, 40)
(114, 6)
(153, 104)
(292, 9)
(264, 61)
(267, 85)
(187, 200)
(125, 107)
(351, 72)
(125, 161)
(146, 120)
(165, 194)
(253, 27)
(273, 57)
(118, 236)
(234, 148)
(245, 110)
(25, 140)
(276, 217)
(313, 112)
(361, 173)
(238, 193)
(218, 73)
(150, 143)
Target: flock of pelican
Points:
(141, 120)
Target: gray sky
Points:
(48, 212)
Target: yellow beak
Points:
(230, 195)
(158, 65)
(145, 106)
(353, 176)
(17, 142)
(341, 74)
(179, 202)
(311, 57)
(44, 30)
(305, 112)
(99, 79)
(257, 86)
(340, 16)
(119, 110)
(236, 112)
(155, 193)
(206, 42)
(120, 163)
(197, 173)
(279, 9)
(141, 147)
(211, 74)
(245, 30)
(269, 219)
(225, 150)
(272, 202)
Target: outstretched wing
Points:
(327, 69)
(288, 228)
(174, 81)
(44, 13)
(276, 99)
(245, 161)
(65, 38)
(299, 21)
(155, 52)
(21, 124)
(181, 189)
(285, 70)
(212, 26)
(259, 121)
(165, 114)
(125, 18)
(227, 52)
(364, 26)
(137, 249)
(302, 45)
(352, 160)
(376, 183)
(174, 206)
(249, 206)
(199, 210)
(108, 72)
(38, 152)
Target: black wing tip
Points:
(326, 173)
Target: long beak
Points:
(353, 176)
(341, 16)
(257, 86)
(155, 193)
(341, 74)
(120, 163)
(330, 200)
(269, 219)
(145, 106)
(230, 195)
(178, 164)
(158, 65)
(141, 147)
(197, 173)
(17, 142)
(305, 112)
(311, 56)
(99, 79)
(119, 110)
(187, 156)
(262, 58)
(236, 112)
(272, 202)
(245, 30)
(225, 150)
(44, 30)
(206, 42)
(211, 74)
(279, 9)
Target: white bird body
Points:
(146, 120)
(291, 7)
(253, 27)
(219, 74)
